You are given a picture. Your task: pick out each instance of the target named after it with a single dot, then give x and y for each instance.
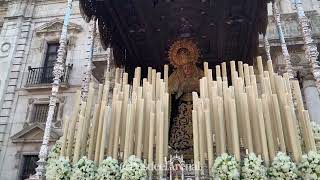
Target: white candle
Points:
(166, 76)
(93, 132)
(79, 133)
(151, 138)
(117, 130)
(240, 67)
(65, 136)
(140, 128)
(104, 135)
(161, 128)
(150, 75)
(74, 119)
(206, 68)
(196, 153)
(127, 139)
(262, 132)
(235, 132)
(87, 118)
(209, 139)
(218, 71)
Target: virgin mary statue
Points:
(183, 55)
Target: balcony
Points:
(42, 78)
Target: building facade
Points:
(29, 38)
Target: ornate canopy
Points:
(141, 31)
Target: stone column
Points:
(311, 51)
(285, 52)
(311, 96)
(58, 72)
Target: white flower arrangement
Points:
(316, 129)
(84, 169)
(283, 168)
(133, 169)
(109, 169)
(253, 168)
(226, 167)
(58, 169)
(55, 151)
(309, 167)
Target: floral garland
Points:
(253, 168)
(109, 169)
(84, 169)
(58, 169)
(283, 168)
(309, 167)
(133, 169)
(226, 167)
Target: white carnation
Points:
(309, 167)
(316, 129)
(283, 168)
(253, 168)
(55, 151)
(133, 169)
(226, 167)
(58, 169)
(109, 169)
(84, 169)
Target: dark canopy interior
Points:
(141, 31)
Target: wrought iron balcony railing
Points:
(44, 75)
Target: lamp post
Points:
(58, 71)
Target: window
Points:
(40, 112)
(52, 54)
(29, 165)
(51, 58)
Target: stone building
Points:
(30, 31)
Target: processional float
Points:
(261, 113)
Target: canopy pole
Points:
(267, 48)
(88, 74)
(58, 71)
(285, 52)
(311, 51)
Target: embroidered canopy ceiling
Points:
(141, 31)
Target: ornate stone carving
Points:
(5, 49)
(56, 26)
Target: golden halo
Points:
(189, 45)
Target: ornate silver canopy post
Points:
(267, 47)
(285, 52)
(87, 76)
(311, 51)
(58, 72)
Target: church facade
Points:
(29, 39)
